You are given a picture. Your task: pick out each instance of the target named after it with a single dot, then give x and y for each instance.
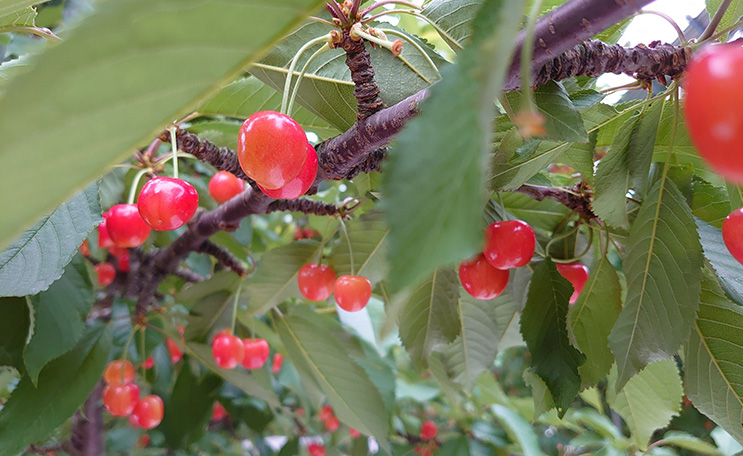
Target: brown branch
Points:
(188, 275)
(223, 257)
(576, 198)
(365, 88)
(87, 434)
(304, 205)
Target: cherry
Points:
(175, 353)
(256, 353)
(429, 430)
(271, 148)
(316, 449)
(104, 240)
(218, 412)
(480, 279)
(353, 433)
(423, 451)
(118, 252)
(509, 244)
(85, 248)
(120, 400)
(123, 262)
(149, 363)
(223, 186)
(352, 293)
(228, 350)
(300, 184)
(119, 372)
(316, 281)
(326, 413)
(167, 203)
(332, 424)
(143, 441)
(713, 108)
(126, 227)
(148, 412)
(577, 274)
(278, 361)
(732, 234)
(106, 273)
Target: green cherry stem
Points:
(142, 344)
(416, 46)
(350, 249)
(126, 350)
(174, 142)
(233, 321)
(295, 91)
(288, 83)
(135, 184)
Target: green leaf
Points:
(15, 320)
(246, 96)
(543, 325)
(714, 360)
(453, 20)
(662, 263)
(429, 318)
(242, 380)
(591, 318)
(733, 13)
(648, 400)
(10, 6)
(22, 18)
(689, 442)
(188, 409)
(474, 350)
(118, 79)
(368, 235)
(37, 258)
(315, 351)
(640, 151)
(545, 215)
(431, 224)
(519, 430)
(709, 203)
(275, 280)
(32, 412)
(543, 401)
(59, 317)
(516, 162)
(728, 269)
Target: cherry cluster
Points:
(428, 434)
(318, 281)
(121, 397)
(229, 351)
(106, 270)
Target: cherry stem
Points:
(448, 39)
(234, 306)
(321, 20)
(716, 19)
(527, 50)
(670, 20)
(135, 184)
(350, 249)
(503, 211)
(295, 91)
(564, 235)
(357, 33)
(582, 254)
(135, 328)
(388, 2)
(416, 46)
(142, 338)
(293, 64)
(174, 143)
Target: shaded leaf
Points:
(15, 320)
(543, 401)
(519, 430)
(728, 269)
(9, 6)
(368, 235)
(453, 20)
(21, 18)
(689, 442)
(709, 203)
(188, 409)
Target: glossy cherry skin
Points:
(119, 372)
(256, 353)
(148, 412)
(123, 263)
(175, 353)
(223, 186)
(120, 400)
(271, 148)
(278, 361)
(316, 449)
(732, 234)
(149, 363)
(126, 227)
(713, 108)
(326, 413)
(104, 240)
(228, 350)
(481, 280)
(429, 430)
(316, 281)
(300, 184)
(106, 273)
(332, 424)
(509, 244)
(167, 203)
(577, 274)
(218, 412)
(352, 293)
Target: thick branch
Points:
(87, 434)
(304, 205)
(574, 198)
(365, 89)
(223, 257)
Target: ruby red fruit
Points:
(223, 186)
(119, 372)
(732, 234)
(509, 244)
(256, 353)
(429, 430)
(480, 279)
(106, 273)
(228, 350)
(126, 227)
(352, 293)
(577, 274)
(300, 184)
(148, 412)
(120, 400)
(316, 281)
(167, 203)
(278, 361)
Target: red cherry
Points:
(326, 413)
(423, 451)
(332, 424)
(118, 252)
(149, 363)
(256, 353)
(480, 279)
(126, 227)
(106, 273)
(85, 248)
(577, 274)
(123, 263)
(509, 244)
(316, 281)
(104, 240)
(223, 186)
(298, 233)
(732, 234)
(272, 148)
(316, 449)
(218, 412)
(278, 361)
(429, 430)
(310, 233)
(713, 108)
(143, 441)
(148, 412)
(353, 433)
(119, 372)
(167, 203)
(175, 353)
(120, 400)
(228, 350)
(352, 293)
(300, 184)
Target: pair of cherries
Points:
(273, 151)
(229, 351)
(317, 282)
(327, 416)
(121, 397)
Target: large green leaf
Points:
(188, 408)
(473, 351)
(276, 277)
(546, 214)
(15, 320)
(317, 353)
(516, 161)
(662, 263)
(36, 258)
(714, 360)
(544, 327)
(118, 79)
(432, 224)
(246, 96)
(59, 317)
(690, 442)
(733, 13)
(591, 318)
(32, 412)
(728, 269)
(22, 18)
(453, 20)
(10, 6)
(430, 318)
(648, 400)
(368, 235)
(709, 203)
